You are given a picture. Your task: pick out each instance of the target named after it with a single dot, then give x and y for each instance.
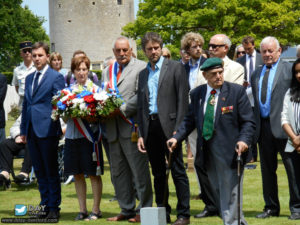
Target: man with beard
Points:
(162, 104)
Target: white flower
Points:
(77, 101)
(82, 106)
(102, 96)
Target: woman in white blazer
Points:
(290, 121)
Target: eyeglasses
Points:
(26, 50)
(215, 46)
(242, 52)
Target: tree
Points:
(235, 18)
(17, 24)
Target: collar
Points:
(158, 65)
(196, 64)
(209, 89)
(42, 71)
(253, 55)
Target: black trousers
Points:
(8, 149)
(43, 153)
(157, 152)
(269, 147)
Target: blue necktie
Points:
(36, 82)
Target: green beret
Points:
(212, 63)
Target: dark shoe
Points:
(5, 183)
(294, 216)
(120, 217)
(206, 213)
(21, 179)
(81, 216)
(267, 213)
(136, 219)
(182, 221)
(53, 215)
(94, 216)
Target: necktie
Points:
(208, 125)
(36, 82)
(250, 66)
(264, 87)
(119, 72)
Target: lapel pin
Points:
(223, 99)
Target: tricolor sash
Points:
(112, 84)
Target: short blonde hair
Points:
(188, 38)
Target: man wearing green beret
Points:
(222, 114)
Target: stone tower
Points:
(88, 25)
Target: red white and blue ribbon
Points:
(84, 128)
(113, 84)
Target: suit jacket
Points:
(172, 98)
(229, 127)
(127, 86)
(3, 89)
(281, 84)
(233, 71)
(37, 106)
(258, 62)
(187, 68)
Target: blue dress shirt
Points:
(153, 79)
(193, 72)
(265, 108)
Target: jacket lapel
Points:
(257, 77)
(200, 105)
(163, 72)
(41, 82)
(221, 101)
(277, 74)
(126, 70)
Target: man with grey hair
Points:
(270, 82)
(219, 45)
(298, 51)
(128, 165)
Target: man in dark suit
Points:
(222, 114)
(162, 104)
(3, 89)
(269, 85)
(40, 131)
(192, 43)
(251, 61)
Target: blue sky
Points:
(40, 8)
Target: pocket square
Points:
(227, 109)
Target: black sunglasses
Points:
(26, 50)
(215, 46)
(242, 52)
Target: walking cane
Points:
(239, 188)
(165, 202)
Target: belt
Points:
(153, 117)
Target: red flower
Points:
(89, 98)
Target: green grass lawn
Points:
(253, 200)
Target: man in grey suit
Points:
(129, 167)
(251, 61)
(269, 85)
(162, 104)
